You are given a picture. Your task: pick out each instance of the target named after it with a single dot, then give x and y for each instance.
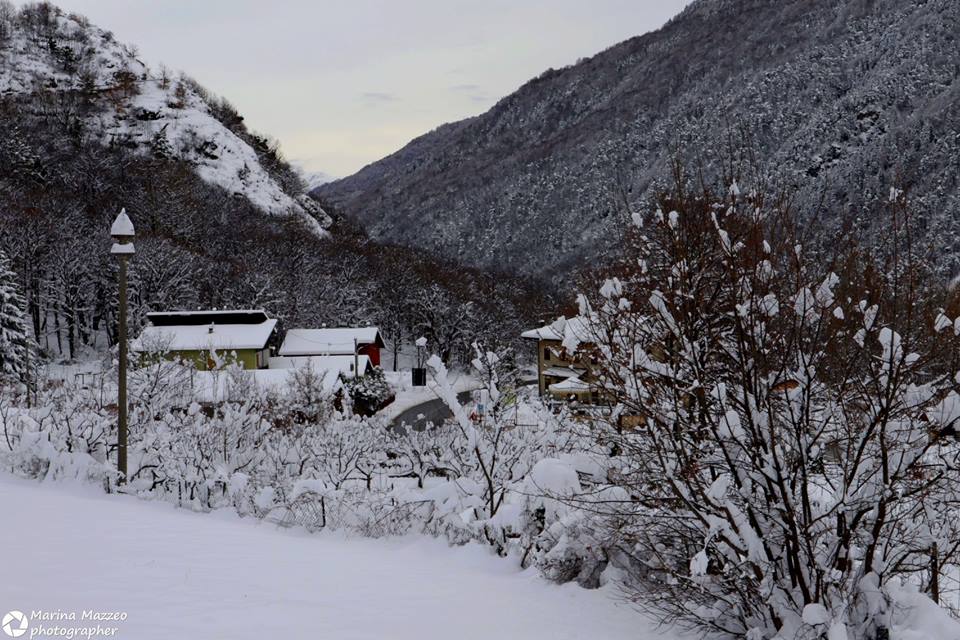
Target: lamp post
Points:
(122, 234)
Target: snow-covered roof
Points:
(571, 385)
(218, 386)
(562, 328)
(340, 364)
(205, 337)
(542, 333)
(334, 341)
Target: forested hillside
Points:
(837, 99)
(86, 128)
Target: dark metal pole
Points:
(122, 383)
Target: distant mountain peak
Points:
(313, 179)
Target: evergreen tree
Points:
(14, 340)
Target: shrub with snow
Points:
(796, 457)
(369, 392)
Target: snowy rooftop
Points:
(201, 337)
(560, 329)
(571, 385)
(340, 364)
(336, 341)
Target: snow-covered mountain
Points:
(314, 179)
(148, 110)
(838, 99)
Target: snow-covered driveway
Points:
(179, 574)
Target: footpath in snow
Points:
(183, 575)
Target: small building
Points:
(209, 338)
(347, 366)
(561, 374)
(364, 341)
(210, 387)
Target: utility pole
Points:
(122, 233)
(28, 345)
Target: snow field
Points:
(179, 574)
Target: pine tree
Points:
(14, 340)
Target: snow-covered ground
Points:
(179, 574)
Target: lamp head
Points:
(122, 233)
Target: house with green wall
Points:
(209, 339)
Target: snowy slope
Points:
(314, 179)
(838, 98)
(139, 105)
(179, 574)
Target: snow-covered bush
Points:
(368, 393)
(307, 399)
(69, 435)
(192, 457)
(158, 384)
(494, 455)
(798, 403)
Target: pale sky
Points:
(342, 84)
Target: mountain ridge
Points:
(832, 97)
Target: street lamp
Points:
(122, 234)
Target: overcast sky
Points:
(342, 84)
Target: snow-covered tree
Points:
(15, 341)
(491, 448)
(797, 403)
(444, 320)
